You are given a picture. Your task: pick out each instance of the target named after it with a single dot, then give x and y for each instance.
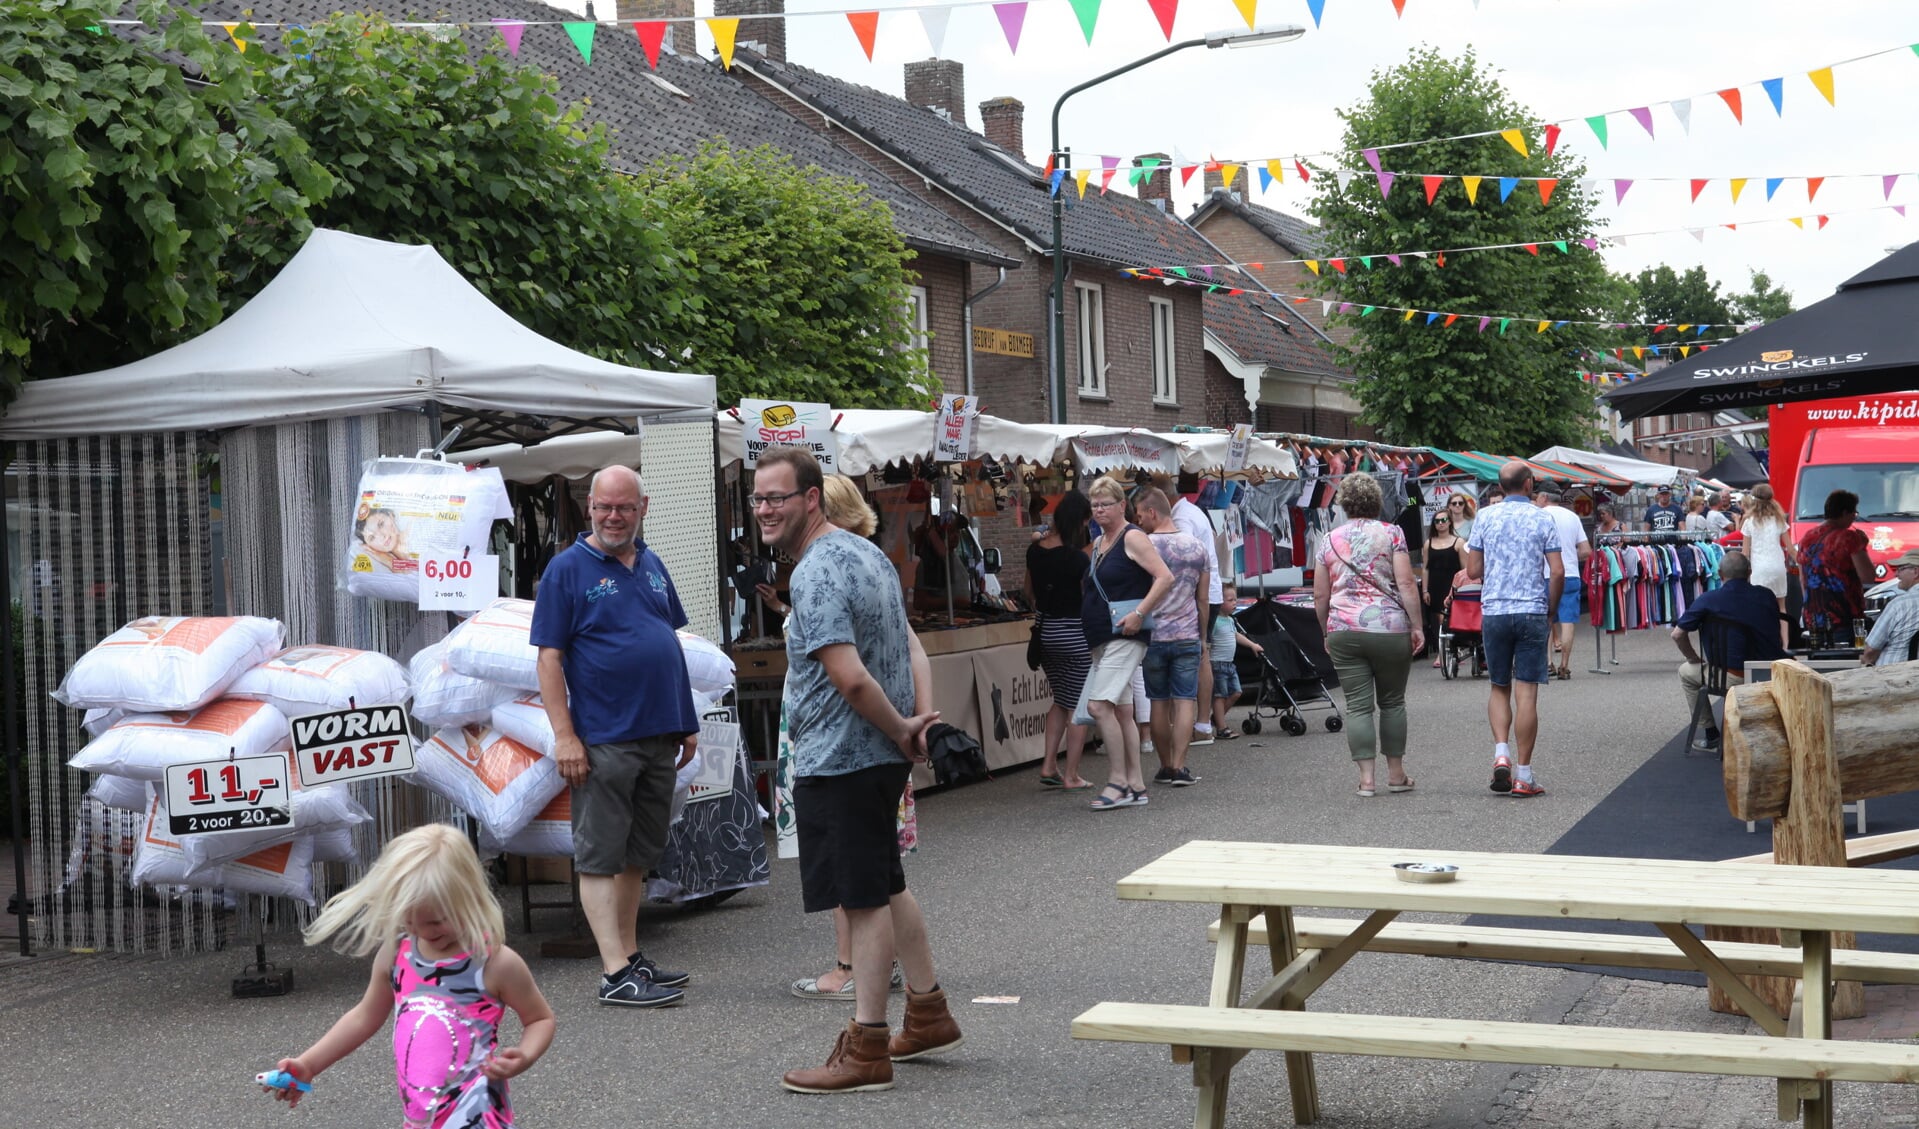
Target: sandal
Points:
(1366, 793)
(1405, 785)
(1080, 787)
(1105, 801)
(1046, 781)
(1226, 734)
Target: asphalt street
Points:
(1018, 887)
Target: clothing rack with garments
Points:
(1635, 580)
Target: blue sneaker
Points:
(633, 988)
(656, 974)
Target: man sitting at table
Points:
(1754, 610)
(1892, 635)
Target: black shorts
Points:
(849, 837)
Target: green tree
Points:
(1762, 301)
(1510, 390)
(129, 198)
(808, 275)
(1667, 298)
(433, 143)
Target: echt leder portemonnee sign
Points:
(352, 744)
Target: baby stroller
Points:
(1294, 672)
(1460, 641)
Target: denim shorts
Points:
(1568, 611)
(1172, 671)
(1515, 648)
(1225, 680)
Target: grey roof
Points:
(1291, 232)
(1259, 329)
(1110, 228)
(648, 119)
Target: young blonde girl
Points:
(443, 975)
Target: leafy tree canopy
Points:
(1456, 388)
(1762, 301)
(808, 278)
(128, 197)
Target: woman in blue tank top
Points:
(1126, 567)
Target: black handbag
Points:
(1034, 648)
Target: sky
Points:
(1565, 59)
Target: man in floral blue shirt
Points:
(1511, 539)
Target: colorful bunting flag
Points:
(1338, 265)
(1798, 222)
(1226, 174)
(1776, 90)
(1186, 172)
(1432, 184)
(1738, 185)
(1823, 220)
(1698, 186)
(581, 33)
(1483, 323)
(1450, 319)
(1472, 188)
(1822, 82)
(1812, 186)
(1012, 17)
(1561, 244)
(1889, 181)
(1409, 315)
(866, 26)
(1732, 100)
(1385, 184)
(1503, 323)
(934, 21)
(1265, 177)
(1431, 318)
(1517, 139)
(511, 31)
(1546, 186)
(1643, 115)
(1552, 139)
(652, 36)
(1313, 265)
(1598, 124)
(1543, 327)
(238, 43)
(1372, 158)
(1317, 8)
(1395, 260)
(1772, 185)
(1165, 11)
(1366, 261)
(1248, 10)
(1531, 249)
(1088, 13)
(724, 29)
(1304, 177)
(1506, 184)
(1400, 7)
(1108, 166)
(1147, 165)
(1619, 188)
(1079, 178)
(1682, 109)
(1277, 170)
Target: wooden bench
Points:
(1192, 1030)
(1554, 946)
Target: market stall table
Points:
(1270, 879)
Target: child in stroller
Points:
(1460, 619)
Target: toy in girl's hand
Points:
(281, 1080)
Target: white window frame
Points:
(920, 338)
(1089, 312)
(1165, 370)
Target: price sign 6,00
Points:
(447, 569)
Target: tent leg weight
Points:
(261, 979)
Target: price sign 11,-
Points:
(236, 794)
(463, 583)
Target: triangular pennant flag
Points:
(1441, 257)
(1134, 175)
(1326, 308)
(1055, 177)
(1734, 102)
(1588, 184)
(866, 26)
(1682, 109)
(511, 31)
(1598, 124)
(1517, 139)
(1367, 312)
(1366, 261)
(1344, 177)
(1147, 165)
(1248, 10)
(1561, 244)
(1772, 185)
(1776, 90)
(1685, 351)
(1208, 270)
(1450, 319)
(1432, 186)
(1552, 139)
(1338, 265)
(1164, 11)
(1889, 180)
(1700, 331)
(1901, 209)
(1483, 323)
(1823, 220)
(1108, 166)
(1643, 115)
(724, 29)
(1181, 272)
(1503, 323)
(581, 33)
(1698, 233)
(1589, 243)
(1265, 178)
(1638, 354)
(1738, 185)
(1079, 178)
(1317, 8)
(239, 43)
(652, 35)
(1798, 222)
(1822, 82)
(1531, 249)
(1543, 326)
(1472, 188)
(1012, 17)
(1372, 157)
(1546, 186)
(1186, 174)
(1276, 169)
(1226, 174)
(1812, 186)
(1088, 13)
(1506, 184)
(1400, 7)
(1698, 186)
(934, 21)
(1312, 265)
(1684, 326)
(1304, 176)
(1052, 162)
(1395, 260)
(1385, 185)
(1409, 315)
(1431, 318)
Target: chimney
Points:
(768, 37)
(938, 84)
(1157, 186)
(1003, 121)
(630, 10)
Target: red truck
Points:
(1866, 444)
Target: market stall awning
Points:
(351, 326)
(1739, 468)
(1096, 449)
(570, 456)
(1582, 476)
(1632, 470)
(871, 437)
(1482, 467)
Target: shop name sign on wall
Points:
(789, 423)
(1097, 454)
(1003, 342)
(953, 433)
(352, 744)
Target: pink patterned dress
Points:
(445, 1024)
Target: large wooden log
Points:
(1875, 714)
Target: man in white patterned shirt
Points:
(1892, 635)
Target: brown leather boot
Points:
(930, 1028)
(858, 1062)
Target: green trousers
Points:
(1373, 667)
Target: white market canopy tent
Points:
(571, 456)
(1634, 470)
(1097, 448)
(871, 438)
(350, 326)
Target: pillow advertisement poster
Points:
(409, 509)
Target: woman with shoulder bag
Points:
(1126, 581)
(1363, 590)
(1056, 566)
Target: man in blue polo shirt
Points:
(1754, 609)
(615, 687)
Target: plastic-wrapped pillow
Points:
(443, 697)
(314, 679)
(284, 871)
(335, 845)
(327, 807)
(708, 668)
(411, 508)
(97, 722)
(161, 663)
(493, 645)
(524, 720)
(142, 745)
(495, 779)
(121, 792)
(549, 835)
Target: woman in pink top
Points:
(1363, 589)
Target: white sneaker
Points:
(1147, 747)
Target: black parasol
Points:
(1861, 341)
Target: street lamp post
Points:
(1277, 34)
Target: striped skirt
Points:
(1064, 658)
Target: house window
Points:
(1092, 339)
(916, 317)
(1165, 380)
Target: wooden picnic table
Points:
(1247, 880)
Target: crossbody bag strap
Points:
(1369, 577)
